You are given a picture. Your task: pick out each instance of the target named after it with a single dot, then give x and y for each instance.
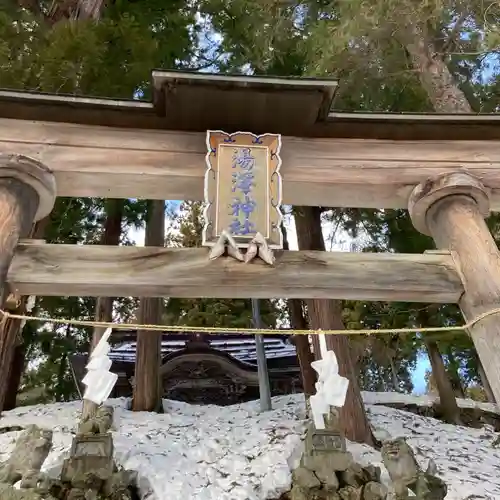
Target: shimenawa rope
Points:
(250, 331)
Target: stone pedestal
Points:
(325, 449)
(328, 471)
(90, 472)
(91, 457)
(324, 441)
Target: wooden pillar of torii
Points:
(27, 194)
(451, 208)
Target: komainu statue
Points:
(405, 472)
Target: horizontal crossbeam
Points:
(108, 162)
(93, 270)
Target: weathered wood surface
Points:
(131, 113)
(65, 270)
(457, 224)
(18, 206)
(154, 164)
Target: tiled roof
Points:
(241, 347)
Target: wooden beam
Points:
(34, 106)
(93, 270)
(126, 163)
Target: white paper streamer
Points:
(331, 388)
(99, 381)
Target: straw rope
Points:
(262, 331)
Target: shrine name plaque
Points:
(243, 188)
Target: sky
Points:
(418, 376)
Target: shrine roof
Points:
(195, 102)
(239, 346)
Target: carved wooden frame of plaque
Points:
(271, 144)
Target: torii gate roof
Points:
(195, 102)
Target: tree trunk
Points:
(304, 354)
(61, 372)
(15, 376)
(104, 305)
(485, 383)
(111, 236)
(72, 9)
(326, 314)
(394, 374)
(447, 401)
(434, 74)
(302, 347)
(147, 387)
(454, 374)
(90, 9)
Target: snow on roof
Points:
(238, 453)
(243, 349)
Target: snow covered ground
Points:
(425, 400)
(237, 453)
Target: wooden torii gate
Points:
(444, 168)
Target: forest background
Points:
(389, 55)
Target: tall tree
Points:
(104, 305)
(298, 321)
(147, 393)
(326, 315)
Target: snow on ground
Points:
(388, 398)
(238, 453)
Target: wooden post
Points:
(451, 208)
(147, 387)
(490, 397)
(19, 357)
(27, 194)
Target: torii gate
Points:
(444, 168)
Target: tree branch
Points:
(34, 8)
(452, 38)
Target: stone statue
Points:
(31, 450)
(90, 472)
(405, 472)
(331, 388)
(100, 423)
